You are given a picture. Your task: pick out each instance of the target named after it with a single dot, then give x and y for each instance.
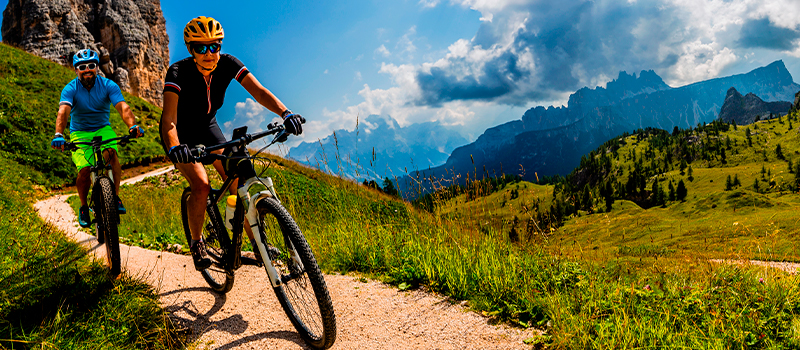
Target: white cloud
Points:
(325, 72)
(701, 61)
(383, 51)
(428, 3)
(358, 76)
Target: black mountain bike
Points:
(287, 257)
(103, 199)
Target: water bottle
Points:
(230, 208)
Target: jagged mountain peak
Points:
(746, 109)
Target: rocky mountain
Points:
(380, 148)
(745, 109)
(130, 35)
(530, 146)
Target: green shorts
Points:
(84, 156)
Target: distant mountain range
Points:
(380, 148)
(745, 109)
(552, 141)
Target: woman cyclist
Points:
(194, 89)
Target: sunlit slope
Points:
(757, 219)
(30, 89)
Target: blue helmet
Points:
(85, 55)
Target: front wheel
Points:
(107, 220)
(219, 277)
(303, 294)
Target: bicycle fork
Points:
(252, 218)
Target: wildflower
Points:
(647, 287)
(761, 280)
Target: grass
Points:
(53, 296)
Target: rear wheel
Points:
(219, 277)
(107, 221)
(303, 293)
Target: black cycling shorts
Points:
(208, 135)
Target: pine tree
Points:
(689, 172)
(728, 183)
(681, 192)
(671, 192)
(755, 186)
(736, 181)
(778, 152)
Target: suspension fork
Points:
(250, 203)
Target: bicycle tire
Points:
(219, 276)
(309, 309)
(107, 221)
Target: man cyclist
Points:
(87, 99)
(194, 89)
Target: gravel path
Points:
(370, 315)
(789, 267)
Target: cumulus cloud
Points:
(251, 114)
(536, 50)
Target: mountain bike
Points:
(103, 199)
(286, 256)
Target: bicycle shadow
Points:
(200, 322)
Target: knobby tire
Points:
(219, 276)
(107, 221)
(305, 299)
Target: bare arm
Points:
(262, 95)
(169, 119)
(125, 111)
(61, 119)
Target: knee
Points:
(201, 188)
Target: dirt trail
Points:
(370, 315)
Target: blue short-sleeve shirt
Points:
(91, 108)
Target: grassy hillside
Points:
(30, 88)
(51, 294)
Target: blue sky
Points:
(474, 64)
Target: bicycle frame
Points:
(100, 168)
(244, 200)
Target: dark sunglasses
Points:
(201, 49)
(85, 66)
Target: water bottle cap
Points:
(231, 201)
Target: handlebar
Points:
(202, 153)
(71, 146)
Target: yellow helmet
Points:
(202, 29)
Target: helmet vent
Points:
(210, 26)
(202, 27)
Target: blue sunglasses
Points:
(201, 49)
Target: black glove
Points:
(293, 122)
(180, 154)
(136, 131)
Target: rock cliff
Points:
(130, 36)
(745, 109)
